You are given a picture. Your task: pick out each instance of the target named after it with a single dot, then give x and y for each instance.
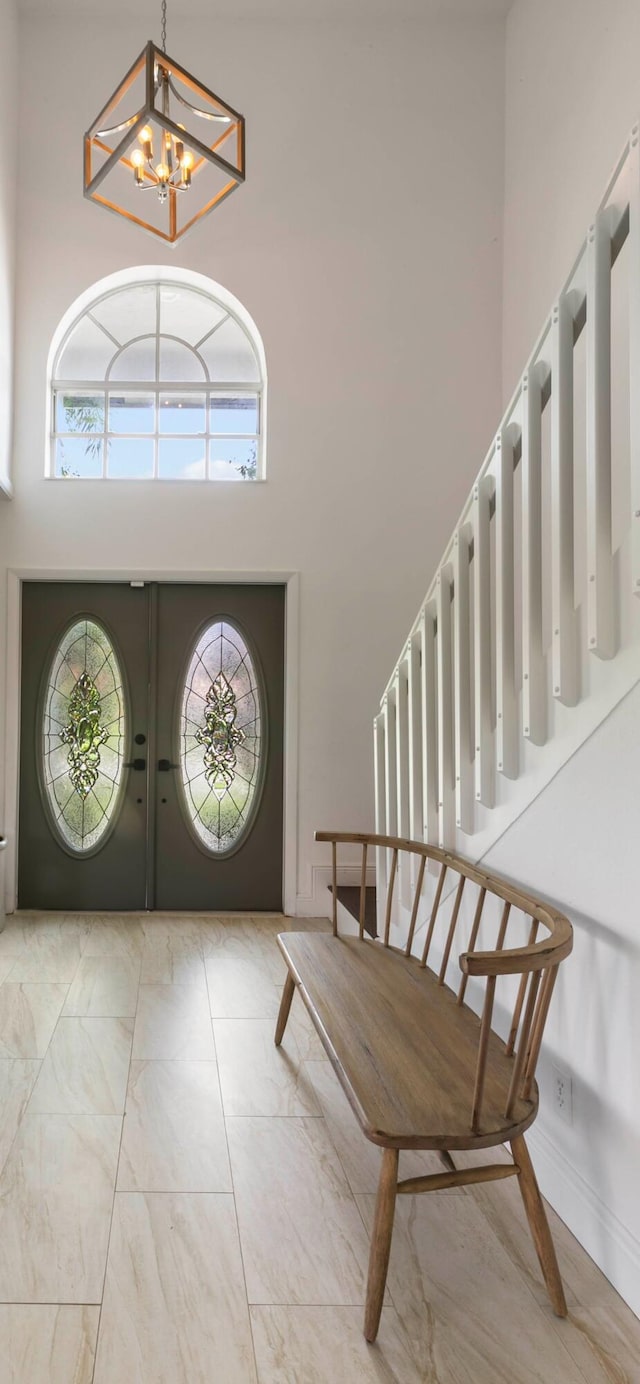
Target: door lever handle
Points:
(164, 765)
(138, 764)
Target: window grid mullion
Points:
(207, 392)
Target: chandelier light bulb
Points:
(137, 158)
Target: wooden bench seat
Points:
(404, 1050)
(422, 1069)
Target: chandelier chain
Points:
(164, 26)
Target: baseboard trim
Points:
(317, 903)
(605, 1238)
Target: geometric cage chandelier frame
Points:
(147, 156)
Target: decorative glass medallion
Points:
(221, 738)
(83, 735)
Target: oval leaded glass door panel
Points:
(83, 736)
(221, 738)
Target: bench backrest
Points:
(536, 963)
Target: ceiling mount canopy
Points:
(165, 150)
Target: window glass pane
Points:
(178, 362)
(132, 413)
(221, 738)
(234, 413)
(83, 735)
(233, 460)
(229, 355)
(118, 414)
(182, 413)
(79, 413)
(186, 313)
(79, 456)
(136, 362)
(130, 458)
(87, 354)
(129, 312)
(182, 459)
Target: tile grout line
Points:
(233, 1190)
(524, 1278)
(115, 1183)
(36, 1059)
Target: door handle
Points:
(164, 765)
(138, 764)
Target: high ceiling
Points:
(278, 9)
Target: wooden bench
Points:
(420, 1068)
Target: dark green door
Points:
(151, 747)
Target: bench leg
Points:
(539, 1226)
(285, 1005)
(381, 1242)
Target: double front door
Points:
(151, 747)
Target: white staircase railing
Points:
(530, 633)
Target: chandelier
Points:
(147, 156)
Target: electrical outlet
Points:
(563, 1094)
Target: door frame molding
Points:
(291, 582)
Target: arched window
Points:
(157, 380)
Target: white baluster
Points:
(378, 772)
(484, 775)
(402, 773)
(506, 702)
(379, 758)
(462, 684)
(402, 749)
(534, 671)
(429, 727)
(390, 777)
(416, 815)
(446, 796)
(391, 796)
(634, 350)
(601, 622)
(564, 671)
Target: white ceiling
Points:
(276, 9)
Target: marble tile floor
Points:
(180, 1203)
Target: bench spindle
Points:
(363, 890)
(434, 915)
(515, 1022)
(473, 938)
(334, 885)
(392, 880)
(514, 1088)
(416, 905)
(503, 926)
(452, 928)
(481, 1068)
(542, 1009)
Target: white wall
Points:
(572, 92)
(366, 245)
(9, 127)
(578, 845)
